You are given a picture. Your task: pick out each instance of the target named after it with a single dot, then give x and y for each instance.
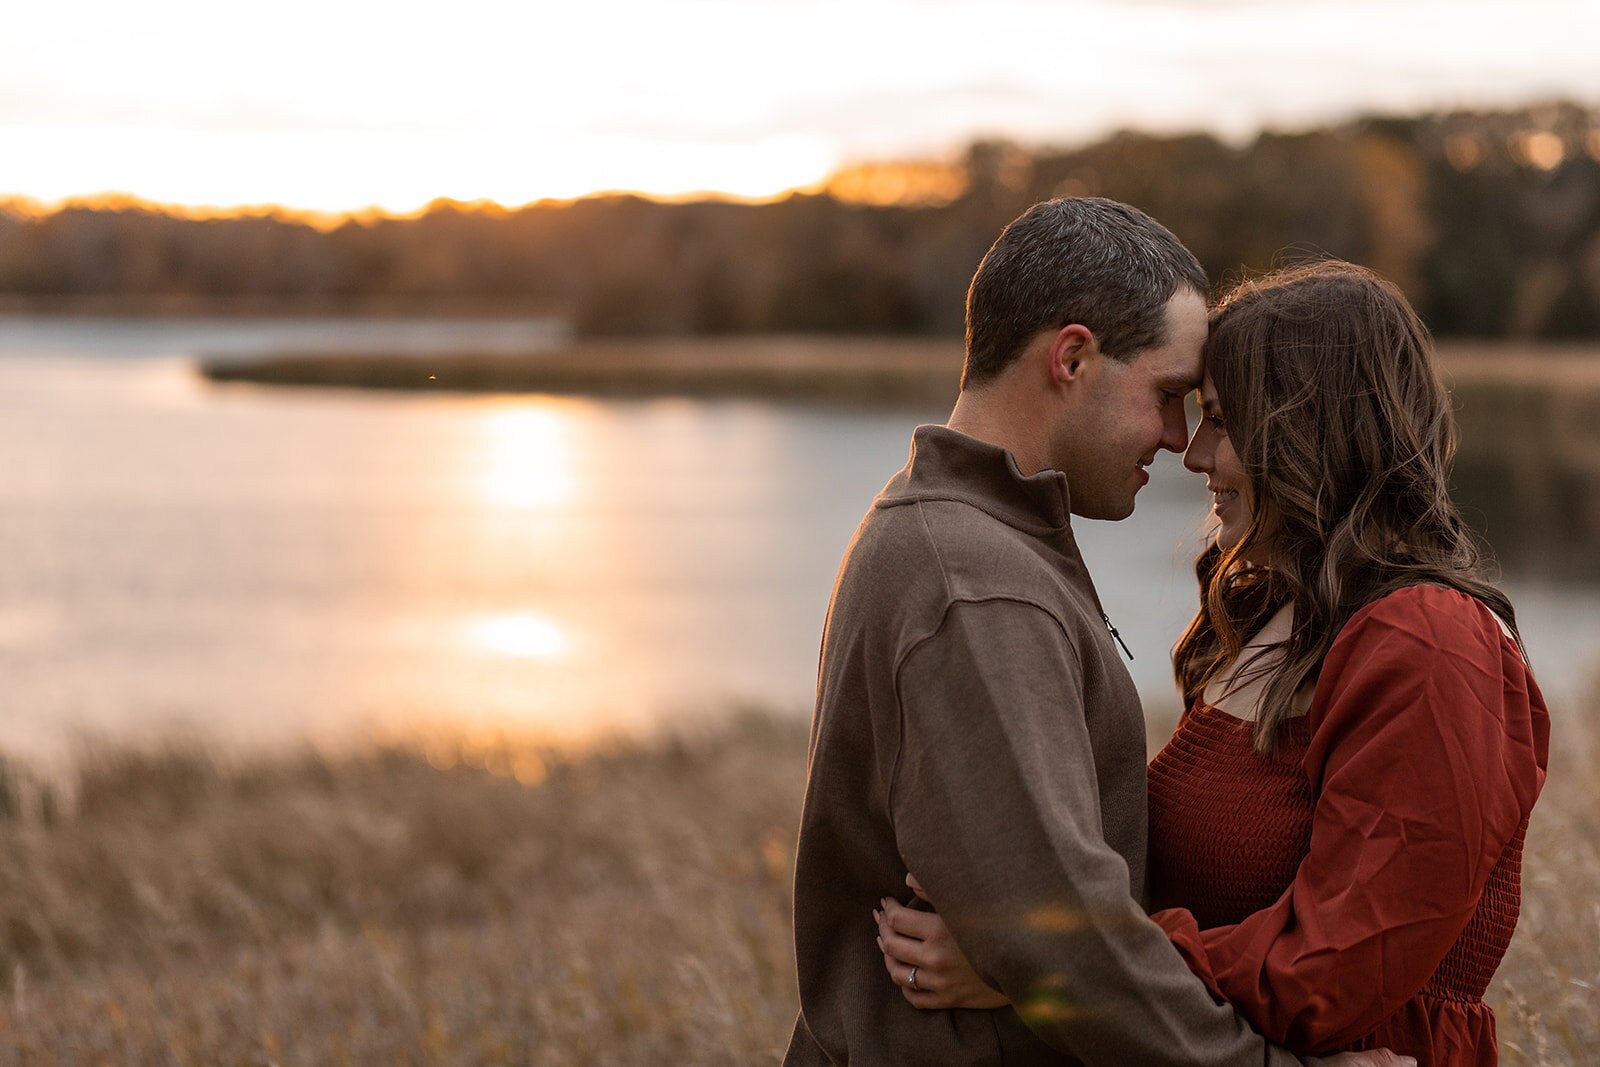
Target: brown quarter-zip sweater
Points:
(975, 725)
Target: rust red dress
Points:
(1359, 889)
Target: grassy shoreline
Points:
(848, 371)
(434, 906)
(844, 368)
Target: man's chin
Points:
(1106, 512)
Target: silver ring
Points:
(911, 980)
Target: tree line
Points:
(1489, 221)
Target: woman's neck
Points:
(1237, 689)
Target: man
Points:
(973, 722)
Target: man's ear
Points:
(1072, 351)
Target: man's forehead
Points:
(1186, 378)
(1177, 365)
(1182, 370)
(1188, 322)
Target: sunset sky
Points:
(336, 105)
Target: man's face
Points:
(1132, 410)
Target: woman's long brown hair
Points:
(1331, 395)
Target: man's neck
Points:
(989, 415)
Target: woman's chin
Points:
(1228, 540)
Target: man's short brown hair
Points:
(1086, 260)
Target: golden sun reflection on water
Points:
(527, 455)
(523, 635)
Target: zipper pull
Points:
(1126, 651)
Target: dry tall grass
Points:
(630, 907)
(1546, 994)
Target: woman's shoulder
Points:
(1427, 609)
(1416, 624)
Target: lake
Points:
(258, 566)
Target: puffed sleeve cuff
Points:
(1184, 933)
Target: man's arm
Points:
(996, 807)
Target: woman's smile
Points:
(1221, 498)
(1211, 453)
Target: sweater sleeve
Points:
(996, 809)
(1428, 747)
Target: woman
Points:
(1336, 826)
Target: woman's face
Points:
(1211, 453)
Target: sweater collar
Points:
(948, 465)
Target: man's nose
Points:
(1175, 431)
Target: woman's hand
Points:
(921, 941)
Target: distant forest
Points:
(1489, 221)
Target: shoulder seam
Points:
(951, 604)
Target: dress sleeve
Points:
(1428, 747)
(996, 808)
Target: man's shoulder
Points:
(942, 542)
(938, 524)
(921, 556)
